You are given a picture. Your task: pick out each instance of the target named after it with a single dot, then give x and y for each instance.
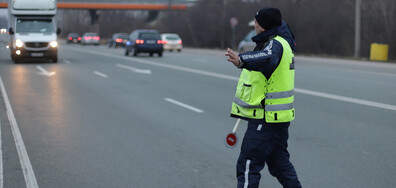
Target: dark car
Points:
(73, 38)
(118, 39)
(144, 41)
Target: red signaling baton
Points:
(231, 139)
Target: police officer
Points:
(264, 97)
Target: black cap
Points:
(268, 18)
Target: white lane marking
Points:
(218, 75)
(355, 71)
(26, 166)
(1, 160)
(67, 61)
(206, 73)
(45, 72)
(370, 72)
(143, 71)
(184, 105)
(200, 60)
(346, 61)
(346, 99)
(227, 77)
(100, 74)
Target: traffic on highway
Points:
(98, 117)
(141, 109)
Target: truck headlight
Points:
(18, 43)
(54, 44)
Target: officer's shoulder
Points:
(274, 43)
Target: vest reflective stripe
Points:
(279, 107)
(257, 97)
(278, 95)
(242, 103)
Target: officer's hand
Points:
(233, 57)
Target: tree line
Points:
(321, 27)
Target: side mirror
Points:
(58, 31)
(11, 31)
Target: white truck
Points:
(32, 29)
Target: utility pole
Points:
(357, 27)
(169, 14)
(223, 24)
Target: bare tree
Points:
(320, 27)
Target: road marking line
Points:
(67, 61)
(227, 77)
(346, 99)
(218, 75)
(184, 105)
(355, 71)
(45, 72)
(1, 160)
(370, 72)
(143, 71)
(26, 166)
(100, 74)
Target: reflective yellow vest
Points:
(278, 91)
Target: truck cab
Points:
(32, 29)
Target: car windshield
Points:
(91, 34)
(121, 35)
(34, 26)
(250, 35)
(172, 38)
(149, 35)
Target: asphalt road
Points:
(100, 119)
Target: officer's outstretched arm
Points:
(265, 60)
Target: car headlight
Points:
(54, 44)
(18, 43)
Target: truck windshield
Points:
(34, 26)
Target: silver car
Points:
(247, 44)
(172, 41)
(90, 38)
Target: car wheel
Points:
(179, 50)
(151, 54)
(133, 51)
(17, 60)
(160, 54)
(55, 59)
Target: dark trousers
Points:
(265, 143)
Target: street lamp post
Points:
(357, 27)
(223, 25)
(169, 11)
